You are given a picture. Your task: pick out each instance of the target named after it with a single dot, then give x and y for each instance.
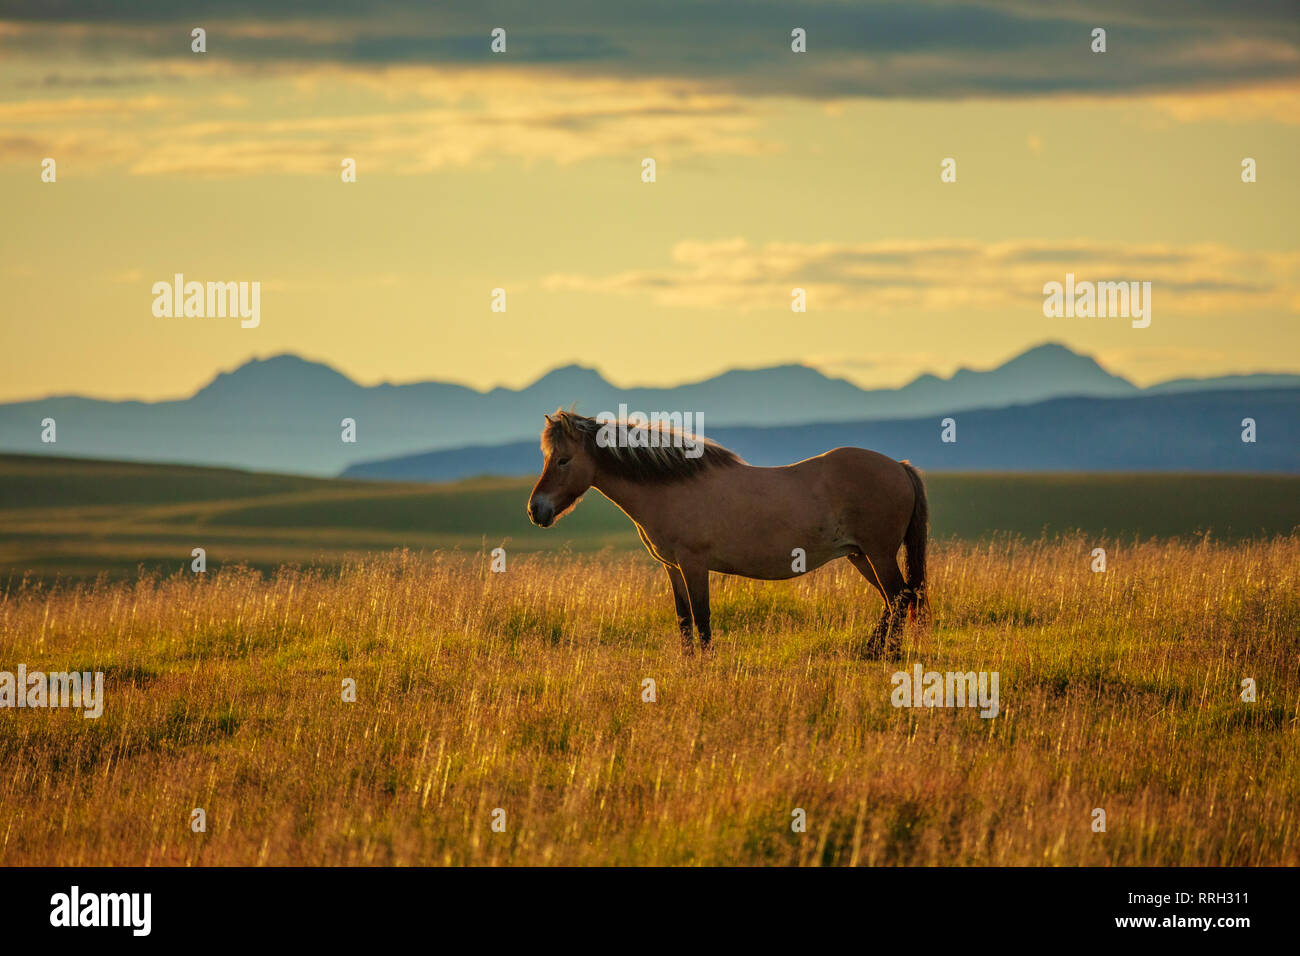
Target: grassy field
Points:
(523, 691)
(71, 518)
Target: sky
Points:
(522, 170)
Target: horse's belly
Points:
(778, 565)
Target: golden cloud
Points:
(948, 274)
(434, 119)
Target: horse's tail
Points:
(914, 539)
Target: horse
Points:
(699, 507)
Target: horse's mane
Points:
(659, 464)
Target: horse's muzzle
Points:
(541, 513)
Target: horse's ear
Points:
(548, 419)
(566, 422)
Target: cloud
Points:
(900, 48)
(948, 274)
(80, 107)
(437, 119)
(1278, 102)
(581, 80)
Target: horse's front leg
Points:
(696, 576)
(682, 599)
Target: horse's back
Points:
(858, 462)
(863, 480)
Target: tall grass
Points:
(523, 691)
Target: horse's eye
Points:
(562, 462)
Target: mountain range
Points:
(285, 413)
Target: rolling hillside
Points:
(73, 518)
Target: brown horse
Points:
(699, 508)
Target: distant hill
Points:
(1182, 431)
(67, 519)
(283, 414)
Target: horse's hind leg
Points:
(882, 571)
(682, 600)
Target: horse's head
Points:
(567, 472)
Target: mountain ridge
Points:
(285, 412)
(1193, 432)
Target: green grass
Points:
(64, 517)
